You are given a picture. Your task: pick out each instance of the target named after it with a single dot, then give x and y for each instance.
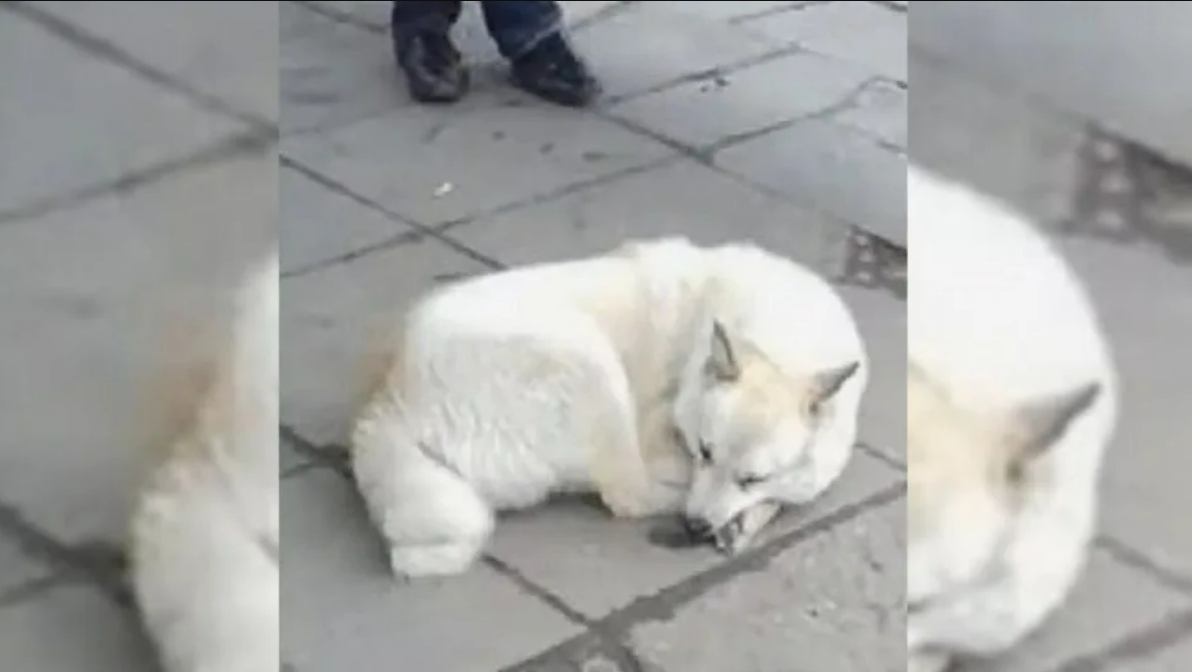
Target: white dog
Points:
(1012, 399)
(204, 535)
(594, 374)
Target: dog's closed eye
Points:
(745, 481)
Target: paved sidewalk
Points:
(779, 121)
(1122, 217)
(137, 161)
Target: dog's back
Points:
(205, 529)
(1009, 367)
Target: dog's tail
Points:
(213, 364)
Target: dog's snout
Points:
(698, 529)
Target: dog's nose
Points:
(698, 529)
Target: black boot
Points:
(552, 71)
(433, 67)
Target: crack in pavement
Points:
(112, 53)
(419, 232)
(234, 145)
(1140, 644)
(1135, 559)
(664, 604)
(101, 564)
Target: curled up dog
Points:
(204, 534)
(1012, 400)
(719, 383)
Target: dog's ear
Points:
(1041, 423)
(722, 365)
(828, 382)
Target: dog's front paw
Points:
(624, 504)
(433, 560)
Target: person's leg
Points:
(422, 44)
(530, 34)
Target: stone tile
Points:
(75, 122)
(1169, 659)
(737, 11)
(320, 225)
(332, 73)
(864, 33)
(1147, 460)
(880, 110)
(715, 208)
(831, 169)
(833, 602)
(596, 564)
(16, 568)
(988, 137)
(882, 321)
(89, 290)
(345, 611)
(72, 629)
(326, 323)
(704, 112)
(373, 13)
(1112, 65)
(1111, 602)
(433, 165)
(653, 43)
(228, 51)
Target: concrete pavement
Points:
(1121, 215)
(137, 168)
(779, 121)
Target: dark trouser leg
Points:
(517, 27)
(411, 17)
(422, 44)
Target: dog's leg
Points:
(433, 521)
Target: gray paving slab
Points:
(597, 565)
(1172, 658)
(867, 33)
(331, 72)
(656, 43)
(72, 629)
(345, 611)
(716, 208)
(327, 319)
(17, 569)
(1110, 62)
(193, 42)
(88, 124)
(829, 168)
(882, 321)
(320, 225)
(86, 331)
(552, 149)
(833, 602)
(709, 111)
(1111, 602)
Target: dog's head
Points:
(751, 433)
(972, 470)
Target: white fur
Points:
(997, 317)
(205, 530)
(563, 376)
